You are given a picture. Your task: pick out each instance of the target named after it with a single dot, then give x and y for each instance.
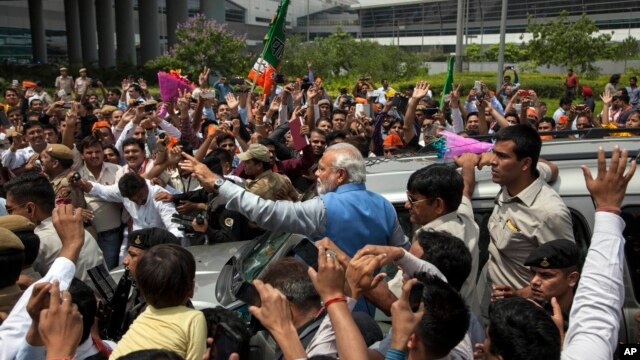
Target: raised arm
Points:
(595, 314)
(420, 91)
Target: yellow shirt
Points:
(178, 328)
(611, 125)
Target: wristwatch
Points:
(218, 183)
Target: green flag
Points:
(275, 38)
(448, 83)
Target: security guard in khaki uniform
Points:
(23, 229)
(554, 273)
(11, 260)
(57, 160)
(266, 184)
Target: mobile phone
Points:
(226, 341)
(371, 93)
(308, 252)
(248, 294)
(66, 105)
(14, 83)
(150, 107)
(525, 93)
(581, 107)
(477, 85)
(207, 95)
(415, 296)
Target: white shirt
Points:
(15, 159)
(152, 214)
(594, 320)
(106, 214)
(559, 112)
(15, 327)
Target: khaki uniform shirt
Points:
(272, 186)
(462, 225)
(81, 84)
(65, 83)
(522, 223)
(50, 246)
(65, 193)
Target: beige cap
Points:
(60, 152)
(256, 151)
(9, 241)
(16, 223)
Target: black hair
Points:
(13, 110)
(521, 330)
(512, 113)
(225, 136)
(165, 275)
(90, 141)
(218, 315)
(31, 124)
(112, 147)
(527, 142)
(633, 78)
(448, 253)
(130, 184)
(614, 79)
(446, 319)
(151, 354)
(11, 262)
(222, 156)
(267, 141)
(624, 97)
(548, 120)
(338, 111)
(565, 101)
(31, 243)
(137, 89)
(133, 141)
(85, 300)
(471, 113)
(290, 277)
(31, 186)
(336, 134)
(361, 143)
(116, 91)
(438, 180)
(10, 90)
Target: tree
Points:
(573, 44)
(202, 42)
(512, 53)
(473, 52)
(339, 55)
(626, 50)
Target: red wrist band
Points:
(611, 209)
(334, 300)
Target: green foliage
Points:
(562, 42)
(627, 49)
(473, 52)
(340, 56)
(201, 42)
(512, 53)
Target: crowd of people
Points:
(94, 177)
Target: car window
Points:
(631, 233)
(261, 254)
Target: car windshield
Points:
(261, 254)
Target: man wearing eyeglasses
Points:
(439, 198)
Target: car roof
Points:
(389, 177)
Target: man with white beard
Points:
(344, 211)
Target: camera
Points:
(150, 107)
(185, 223)
(236, 81)
(76, 177)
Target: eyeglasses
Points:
(10, 210)
(413, 201)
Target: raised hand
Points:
(232, 101)
(609, 186)
(199, 170)
(606, 97)
(60, 325)
(421, 90)
(404, 320)
(203, 77)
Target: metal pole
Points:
(307, 20)
(459, 32)
(503, 29)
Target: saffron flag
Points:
(264, 70)
(448, 83)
